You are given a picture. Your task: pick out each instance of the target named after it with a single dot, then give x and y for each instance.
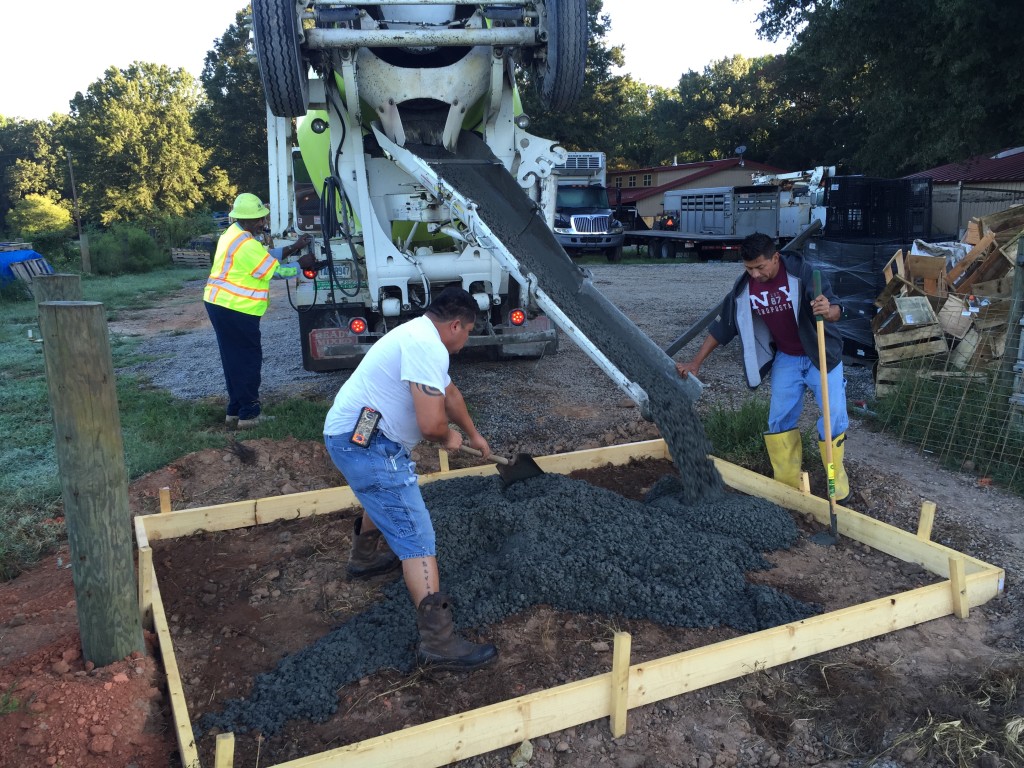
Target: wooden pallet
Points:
(26, 270)
(4, 247)
(910, 344)
(185, 257)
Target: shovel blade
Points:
(522, 467)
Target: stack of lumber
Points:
(936, 318)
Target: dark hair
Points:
(454, 303)
(757, 245)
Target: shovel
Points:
(829, 538)
(522, 467)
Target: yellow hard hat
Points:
(248, 206)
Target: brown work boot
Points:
(365, 560)
(439, 646)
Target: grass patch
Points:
(737, 435)
(8, 703)
(157, 427)
(964, 422)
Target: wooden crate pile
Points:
(940, 320)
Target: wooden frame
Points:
(967, 582)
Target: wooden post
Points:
(442, 459)
(165, 500)
(146, 587)
(94, 481)
(620, 682)
(926, 521)
(224, 754)
(57, 287)
(958, 583)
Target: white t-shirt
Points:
(411, 353)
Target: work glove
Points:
(287, 272)
(307, 261)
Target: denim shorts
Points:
(383, 478)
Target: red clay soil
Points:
(59, 711)
(237, 601)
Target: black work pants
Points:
(241, 356)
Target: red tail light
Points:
(357, 325)
(517, 317)
(309, 274)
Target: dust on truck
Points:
(394, 86)
(584, 221)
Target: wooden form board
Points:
(967, 582)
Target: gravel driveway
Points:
(557, 403)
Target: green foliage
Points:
(34, 214)
(59, 249)
(157, 428)
(228, 120)
(31, 162)
(132, 137)
(178, 231)
(125, 249)
(903, 78)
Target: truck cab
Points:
(584, 220)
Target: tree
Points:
(135, 148)
(35, 214)
(231, 119)
(592, 123)
(31, 161)
(929, 81)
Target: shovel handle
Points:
(480, 455)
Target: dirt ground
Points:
(948, 692)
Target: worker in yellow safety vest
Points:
(237, 295)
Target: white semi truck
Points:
(584, 221)
(417, 172)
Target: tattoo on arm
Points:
(428, 390)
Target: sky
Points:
(53, 50)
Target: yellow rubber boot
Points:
(842, 481)
(785, 449)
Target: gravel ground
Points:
(513, 402)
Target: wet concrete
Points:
(551, 541)
(512, 216)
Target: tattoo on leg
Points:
(426, 575)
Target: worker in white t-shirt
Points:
(399, 395)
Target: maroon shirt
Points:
(771, 302)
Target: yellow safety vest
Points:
(241, 272)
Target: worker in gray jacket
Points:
(772, 308)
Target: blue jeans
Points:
(241, 356)
(383, 478)
(791, 377)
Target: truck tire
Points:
(614, 254)
(667, 250)
(560, 73)
(283, 70)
